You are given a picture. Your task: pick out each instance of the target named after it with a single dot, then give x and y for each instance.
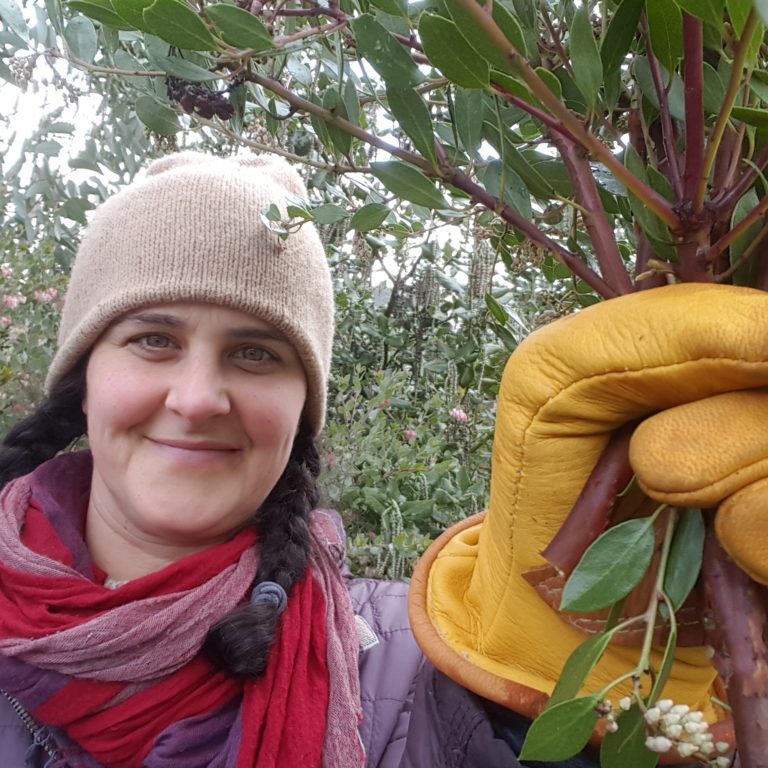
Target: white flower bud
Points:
(685, 749)
(723, 762)
(722, 746)
(694, 727)
(664, 705)
(697, 739)
(674, 731)
(680, 709)
(706, 747)
(670, 719)
(625, 703)
(652, 715)
(695, 716)
(658, 743)
(611, 726)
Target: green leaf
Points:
(369, 217)
(11, 14)
(514, 192)
(761, 6)
(714, 90)
(156, 117)
(641, 69)
(334, 103)
(685, 557)
(576, 670)
(468, 118)
(710, 11)
(585, 57)
(132, 12)
(449, 52)
(626, 747)
(409, 183)
(80, 35)
(498, 312)
(468, 27)
(665, 26)
(185, 70)
(393, 7)
(739, 11)
(384, 53)
(562, 731)
(611, 567)
(328, 213)
(238, 27)
(666, 667)
(412, 114)
(751, 116)
(652, 225)
(179, 25)
(620, 34)
(99, 10)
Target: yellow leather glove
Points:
(698, 454)
(564, 392)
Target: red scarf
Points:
(51, 609)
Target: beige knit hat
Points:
(192, 230)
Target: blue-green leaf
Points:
(80, 35)
(665, 26)
(585, 57)
(369, 217)
(409, 183)
(157, 117)
(179, 25)
(620, 34)
(685, 556)
(412, 114)
(10, 13)
(385, 54)
(576, 670)
(238, 27)
(626, 747)
(449, 52)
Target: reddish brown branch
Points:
(728, 199)
(693, 36)
(599, 228)
(592, 511)
(556, 126)
(741, 656)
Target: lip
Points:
(195, 453)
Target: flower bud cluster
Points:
(676, 726)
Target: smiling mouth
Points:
(193, 445)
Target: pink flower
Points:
(5, 321)
(459, 414)
(6, 271)
(46, 296)
(384, 403)
(330, 460)
(13, 301)
(409, 434)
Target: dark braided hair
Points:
(51, 428)
(240, 642)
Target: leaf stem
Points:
(731, 93)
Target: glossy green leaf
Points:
(751, 116)
(561, 731)
(80, 35)
(621, 31)
(665, 26)
(328, 213)
(498, 312)
(551, 81)
(410, 111)
(352, 101)
(409, 183)
(369, 217)
(157, 117)
(99, 10)
(393, 7)
(611, 567)
(503, 183)
(663, 672)
(11, 14)
(626, 747)
(385, 54)
(468, 118)
(132, 11)
(185, 70)
(650, 223)
(739, 11)
(710, 11)
(714, 90)
(746, 273)
(685, 556)
(576, 670)
(238, 27)
(585, 56)
(449, 51)
(179, 25)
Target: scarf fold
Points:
(120, 671)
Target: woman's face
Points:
(192, 411)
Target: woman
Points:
(169, 598)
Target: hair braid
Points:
(51, 428)
(240, 643)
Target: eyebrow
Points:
(238, 332)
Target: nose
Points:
(197, 391)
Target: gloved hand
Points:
(564, 393)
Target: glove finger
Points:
(697, 454)
(741, 525)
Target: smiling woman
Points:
(171, 597)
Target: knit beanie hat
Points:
(192, 230)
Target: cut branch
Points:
(592, 511)
(741, 656)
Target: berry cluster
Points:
(198, 100)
